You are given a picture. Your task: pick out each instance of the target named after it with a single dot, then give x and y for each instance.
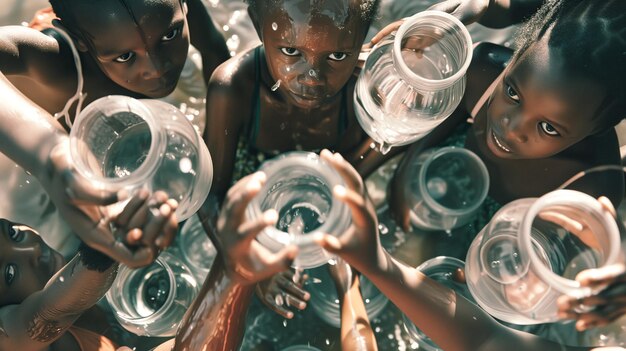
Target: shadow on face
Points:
(311, 48)
(537, 110)
(26, 262)
(139, 45)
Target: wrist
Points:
(45, 165)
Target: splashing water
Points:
(276, 85)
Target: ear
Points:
(185, 7)
(80, 44)
(254, 16)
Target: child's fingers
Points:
(614, 273)
(607, 205)
(165, 239)
(328, 242)
(141, 216)
(292, 288)
(238, 201)
(562, 220)
(133, 205)
(156, 225)
(250, 229)
(350, 176)
(390, 28)
(293, 301)
(270, 301)
(133, 237)
(81, 190)
(357, 205)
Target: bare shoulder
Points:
(236, 72)
(26, 51)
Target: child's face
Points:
(536, 111)
(142, 48)
(26, 262)
(312, 51)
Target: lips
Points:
(500, 144)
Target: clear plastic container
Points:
(325, 302)
(519, 264)
(196, 249)
(446, 188)
(299, 187)
(152, 300)
(301, 348)
(122, 143)
(443, 270)
(413, 81)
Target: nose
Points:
(152, 67)
(515, 127)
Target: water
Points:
(118, 161)
(299, 218)
(153, 293)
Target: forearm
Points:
(356, 331)
(45, 316)
(27, 132)
(434, 308)
(216, 319)
(504, 13)
(206, 38)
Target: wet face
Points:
(141, 47)
(537, 110)
(311, 49)
(26, 262)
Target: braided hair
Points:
(590, 36)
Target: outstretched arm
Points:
(434, 308)
(215, 321)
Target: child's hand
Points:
(78, 201)
(607, 305)
(284, 290)
(359, 245)
(466, 11)
(246, 260)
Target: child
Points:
(134, 48)
(41, 297)
(292, 93)
(550, 114)
(446, 317)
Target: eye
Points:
(290, 51)
(9, 274)
(15, 234)
(124, 57)
(511, 93)
(338, 56)
(171, 35)
(548, 129)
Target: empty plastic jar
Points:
(446, 187)
(299, 187)
(325, 302)
(443, 270)
(122, 143)
(519, 264)
(413, 81)
(152, 300)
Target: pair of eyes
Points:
(335, 56)
(545, 126)
(167, 37)
(10, 271)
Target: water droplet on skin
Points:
(373, 145)
(276, 85)
(274, 26)
(312, 73)
(278, 299)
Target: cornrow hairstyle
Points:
(590, 36)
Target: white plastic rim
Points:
(404, 69)
(111, 105)
(580, 201)
(432, 203)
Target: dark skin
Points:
(41, 296)
(138, 57)
(314, 56)
(552, 124)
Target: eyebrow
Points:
(513, 82)
(107, 54)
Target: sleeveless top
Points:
(248, 158)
